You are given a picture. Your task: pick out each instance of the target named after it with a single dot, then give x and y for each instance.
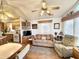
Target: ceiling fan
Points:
(44, 8)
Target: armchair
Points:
(65, 48)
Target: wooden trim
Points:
(45, 21)
(75, 15)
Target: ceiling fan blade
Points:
(34, 10)
(55, 8)
(50, 14)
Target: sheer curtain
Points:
(44, 28)
(71, 27)
(68, 27)
(77, 30)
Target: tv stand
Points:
(26, 40)
(27, 33)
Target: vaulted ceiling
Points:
(27, 6)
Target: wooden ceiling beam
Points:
(74, 15)
(45, 21)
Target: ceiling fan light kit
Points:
(45, 9)
(42, 12)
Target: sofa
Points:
(43, 40)
(64, 49)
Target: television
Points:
(26, 33)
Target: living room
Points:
(41, 29)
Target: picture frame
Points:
(28, 25)
(34, 26)
(56, 25)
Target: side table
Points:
(30, 41)
(76, 52)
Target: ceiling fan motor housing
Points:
(44, 8)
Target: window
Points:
(68, 27)
(71, 27)
(77, 30)
(44, 28)
(77, 8)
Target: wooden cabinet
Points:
(1, 26)
(25, 40)
(16, 38)
(76, 53)
(9, 37)
(3, 40)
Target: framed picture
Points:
(56, 25)
(28, 25)
(23, 23)
(34, 26)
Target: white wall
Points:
(54, 20)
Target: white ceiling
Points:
(26, 6)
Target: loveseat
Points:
(43, 40)
(64, 49)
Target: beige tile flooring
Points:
(42, 53)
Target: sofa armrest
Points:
(58, 42)
(67, 51)
(68, 47)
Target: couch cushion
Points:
(48, 37)
(48, 43)
(69, 40)
(59, 46)
(43, 37)
(43, 40)
(38, 37)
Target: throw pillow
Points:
(43, 37)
